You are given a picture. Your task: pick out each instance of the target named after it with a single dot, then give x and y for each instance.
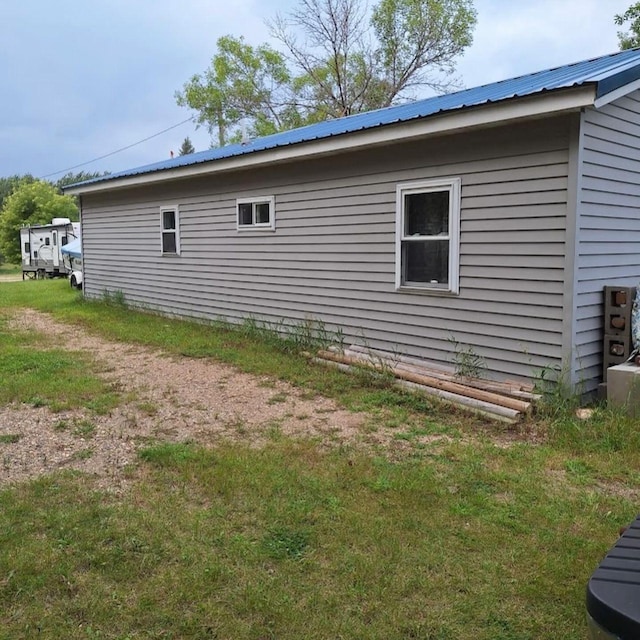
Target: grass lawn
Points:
(37, 372)
(460, 539)
(9, 269)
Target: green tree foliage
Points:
(8, 184)
(73, 178)
(242, 83)
(629, 39)
(187, 147)
(349, 64)
(81, 176)
(338, 61)
(420, 41)
(30, 203)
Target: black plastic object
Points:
(613, 592)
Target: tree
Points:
(242, 83)
(350, 66)
(81, 176)
(187, 147)
(9, 184)
(337, 62)
(30, 203)
(420, 41)
(631, 38)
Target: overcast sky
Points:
(81, 79)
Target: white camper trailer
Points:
(41, 248)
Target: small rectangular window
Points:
(427, 235)
(170, 230)
(245, 214)
(47, 241)
(256, 214)
(262, 212)
(27, 247)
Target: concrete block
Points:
(623, 387)
(616, 350)
(616, 323)
(619, 299)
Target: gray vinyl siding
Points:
(608, 235)
(332, 256)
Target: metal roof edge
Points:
(486, 114)
(616, 94)
(609, 75)
(617, 81)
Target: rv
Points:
(41, 248)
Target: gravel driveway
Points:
(166, 398)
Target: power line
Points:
(112, 153)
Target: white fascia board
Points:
(484, 115)
(618, 93)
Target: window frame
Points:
(453, 187)
(257, 226)
(176, 231)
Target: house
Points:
(493, 216)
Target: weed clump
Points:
(114, 298)
(468, 363)
(310, 334)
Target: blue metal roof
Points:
(606, 73)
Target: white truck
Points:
(41, 248)
(72, 253)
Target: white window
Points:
(170, 230)
(428, 235)
(256, 214)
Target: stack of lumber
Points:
(507, 401)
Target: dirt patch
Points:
(167, 398)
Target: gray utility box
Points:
(623, 387)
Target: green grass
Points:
(35, 372)
(250, 348)
(10, 269)
(293, 542)
(607, 431)
(254, 350)
(459, 538)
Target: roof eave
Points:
(547, 103)
(618, 81)
(613, 90)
